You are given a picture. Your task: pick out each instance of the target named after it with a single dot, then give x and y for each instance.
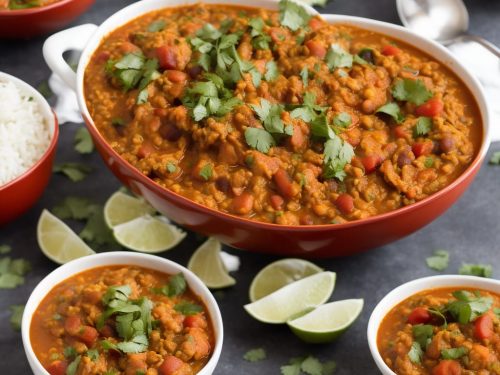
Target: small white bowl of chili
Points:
(408, 315)
(84, 305)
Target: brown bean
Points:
(405, 157)
(447, 144)
(222, 184)
(170, 132)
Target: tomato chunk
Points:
(422, 148)
(166, 57)
(170, 365)
(390, 50)
(370, 163)
(345, 203)
(277, 202)
(176, 76)
(431, 108)
(193, 321)
(447, 367)
(315, 24)
(483, 327)
(316, 49)
(283, 183)
(72, 325)
(88, 335)
(57, 368)
(420, 315)
(400, 132)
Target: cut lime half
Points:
(293, 299)
(278, 274)
(148, 234)
(327, 322)
(121, 208)
(57, 241)
(206, 263)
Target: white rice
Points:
(24, 133)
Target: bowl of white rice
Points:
(28, 138)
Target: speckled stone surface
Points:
(469, 230)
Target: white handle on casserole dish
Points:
(75, 38)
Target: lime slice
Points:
(206, 263)
(57, 241)
(293, 299)
(278, 274)
(121, 207)
(148, 234)
(327, 322)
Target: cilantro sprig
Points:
(411, 90)
(292, 15)
(468, 306)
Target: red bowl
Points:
(305, 241)
(18, 195)
(24, 23)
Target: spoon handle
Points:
(468, 37)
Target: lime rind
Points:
(294, 298)
(278, 274)
(121, 208)
(207, 264)
(327, 322)
(57, 241)
(148, 234)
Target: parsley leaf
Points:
(259, 139)
(76, 172)
(495, 158)
(392, 109)
(454, 353)
(481, 270)
(16, 317)
(271, 71)
(188, 308)
(206, 172)
(416, 354)
(439, 261)
(255, 355)
(337, 57)
(422, 127)
(292, 15)
(156, 26)
(83, 141)
(411, 90)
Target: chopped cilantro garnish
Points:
(336, 155)
(188, 308)
(176, 286)
(255, 355)
(422, 333)
(23, 4)
(309, 110)
(74, 171)
(12, 272)
(292, 15)
(481, 270)
(454, 353)
(438, 261)
(304, 74)
(337, 57)
(411, 90)
(495, 158)
(393, 110)
(206, 172)
(271, 71)
(260, 39)
(70, 352)
(270, 115)
(93, 354)
(83, 141)
(171, 167)
(156, 26)
(468, 306)
(343, 120)
(422, 127)
(416, 354)
(259, 139)
(16, 316)
(429, 162)
(73, 366)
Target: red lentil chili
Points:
(25, 4)
(448, 331)
(280, 117)
(122, 320)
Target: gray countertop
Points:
(469, 230)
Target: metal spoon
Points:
(445, 21)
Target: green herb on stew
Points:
(337, 57)
(270, 115)
(411, 90)
(438, 261)
(439, 314)
(70, 352)
(260, 39)
(255, 355)
(16, 316)
(206, 172)
(83, 141)
(468, 306)
(171, 167)
(76, 172)
(429, 162)
(188, 308)
(343, 120)
(12, 272)
(23, 4)
(156, 26)
(93, 354)
(392, 109)
(422, 127)
(304, 74)
(259, 139)
(5, 249)
(422, 334)
(359, 60)
(454, 353)
(73, 366)
(337, 153)
(292, 15)
(416, 354)
(271, 71)
(176, 286)
(118, 121)
(495, 158)
(481, 270)
(309, 110)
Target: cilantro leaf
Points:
(416, 354)
(255, 355)
(293, 369)
(76, 172)
(468, 306)
(73, 366)
(188, 308)
(454, 353)
(411, 90)
(93, 354)
(292, 15)
(83, 141)
(337, 57)
(260, 39)
(321, 128)
(270, 115)
(206, 172)
(78, 208)
(176, 286)
(337, 153)
(70, 352)
(312, 366)
(422, 127)
(429, 162)
(12, 272)
(304, 74)
(171, 167)
(16, 316)
(438, 261)
(481, 270)
(392, 109)
(156, 26)
(271, 71)
(495, 158)
(422, 333)
(96, 231)
(343, 119)
(4, 249)
(259, 139)
(138, 344)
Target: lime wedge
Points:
(293, 299)
(206, 263)
(57, 241)
(278, 274)
(121, 207)
(327, 322)
(148, 234)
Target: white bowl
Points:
(413, 287)
(120, 258)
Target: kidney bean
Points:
(170, 132)
(405, 157)
(222, 184)
(345, 203)
(447, 144)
